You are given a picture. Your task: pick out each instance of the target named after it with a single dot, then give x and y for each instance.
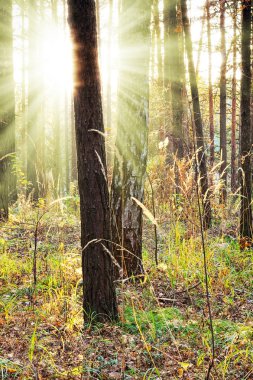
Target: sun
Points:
(57, 59)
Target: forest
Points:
(126, 166)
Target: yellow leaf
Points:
(180, 372)
(184, 365)
(11, 370)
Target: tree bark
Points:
(174, 63)
(132, 135)
(66, 114)
(245, 135)
(74, 175)
(7, 110)
(207, 217)
(157, 30)
(210, 85)
(223, 106)
(234, 88)
(99, 300)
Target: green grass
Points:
(46, 323)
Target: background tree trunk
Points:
(223, 106)
(207, 217)
(32, 132)
(210, 84)
(245, 135)
(98, 288)
(234, 87)
(132, 135)
(158, 39)
(175, 78)
(7, 110)
(57, 163)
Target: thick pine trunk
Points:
(66, 114)
(98, 289)
(132, 135)
(245, 135)
(7, 110)
(207, 217)
(223, 106)
(73, 144)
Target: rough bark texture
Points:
(207, 217)
(234, 87)
(73, 144)
(7, 109)
(245, 135)
(210, 85)
(132, 134)
(98, 288)
(66, 115)
(223, 106)
(175, 76)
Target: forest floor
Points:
(163, 332)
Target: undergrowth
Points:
(163, 330)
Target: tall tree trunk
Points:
(156, 62)
(7, 110)
(223, 106)
(57, 164)
(66, 112)
(210, 84)
(245, 135)
(33, 106)
(157, 30)
(201, 41)
(207, 217)
(234, 88)
(132, 135)
(23, 92)
(98, 288)
(73, 144)
(41, 114)
(175, 77)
